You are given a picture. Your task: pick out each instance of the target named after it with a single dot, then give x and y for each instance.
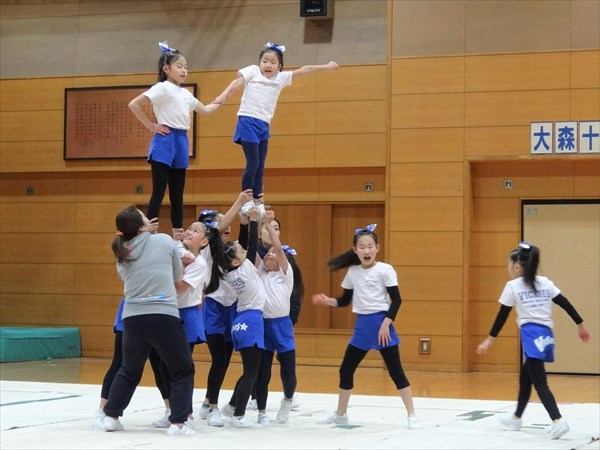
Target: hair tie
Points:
(288, 250)
(367, 229)
(525, 245)
(274, 46)
(119, 233)
(165, 47)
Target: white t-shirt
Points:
(370, 287)
(172, 104)
(250, 290)
(278, 287)
(260, 94)
(531, 306)
(194, 274)
(224, 294)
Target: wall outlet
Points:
(139, 189)
(368, 187)
(424, 346)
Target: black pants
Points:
(533, 372)
(353, 357)
(220, 353)
(163, 176)
(115, 365)
(243, 387)
(167, 336)
(287, 361)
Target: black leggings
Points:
(116, 364)
(533, 372)
(243, 387)
(220, 353)
(287, 361)
(353, 357)
(163, 176)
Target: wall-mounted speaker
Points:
(316, 9)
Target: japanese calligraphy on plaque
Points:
(99, 123)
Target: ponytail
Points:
(528, 257)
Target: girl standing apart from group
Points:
(150, 266)
(532, 296)
(367, 285)
(262, 85)
(169, 149)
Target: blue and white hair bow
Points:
(368, 228)
(288, 250)
(212, 224)
(275, 46)
(165, 47)
(209, 212)
(525, 245)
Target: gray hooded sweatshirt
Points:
(150, 274)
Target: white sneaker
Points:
(334, 418)
(263, 419)
(261, 208)
(227, 410)
(252, 405)
(204, 411)
(98, 419)
(215, 419)
(246, 207)
(186, 430)
(163, 422)
(510, 423)
(244, 422)
(112, 424)
(284, 410)
(558, 428)
(295, 403)
(414, 423)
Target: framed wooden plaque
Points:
(100, 125)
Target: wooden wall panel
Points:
(98, 279)
(503, 357)
(44, 94)
(36, 309)
(20, 278)
(27, 217)
(585, 103)
(94, 309)
(485, 314)
(587, 177)
(444, 350)
(517, 72)
(47, 188)
(486, 282)
(426, 213)
(428, 110)
(433, 284)
(426, 249)
(352, 83)
(585, 69)
(32, 156)
(289, 151)
(491, 249)
(349, 185)
(34, 125)
(515, 107)
(505, 141)
(36, 248)
(427, 145)
(350, 150)
(430, 318)
(426, 180)
(368, 116)
(428, 75)
(94, 247)
(496, 214)
(294, 118)
(220, 152)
